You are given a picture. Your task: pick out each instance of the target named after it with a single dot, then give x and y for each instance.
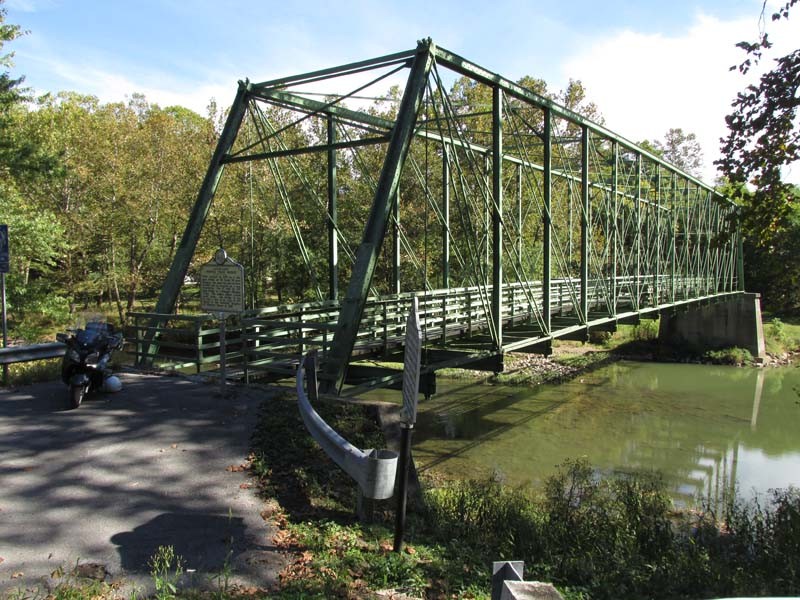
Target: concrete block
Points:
(529, 590)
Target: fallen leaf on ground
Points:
(411, 550)
(17, 575)
(174, 446)
(245, 486)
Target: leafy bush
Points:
(645, 331)
(728, 356)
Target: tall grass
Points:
(620, 537)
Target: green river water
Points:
(703, 427)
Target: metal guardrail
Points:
(373, 470)
(17, 354)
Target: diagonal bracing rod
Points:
(335, 366)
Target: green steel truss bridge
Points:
(513, 220)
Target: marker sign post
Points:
(4, 264)
(408, 417)
(222, 293)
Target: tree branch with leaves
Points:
(764, 135)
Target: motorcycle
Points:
(85, 365)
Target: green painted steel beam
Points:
(465, 67)
(186, 247)
(585, 221)
(240, 158)
(445, 217)
(342, 70)
(333, 213)
(547, 220)
(337, 360)
(315, 107)
(497, 216)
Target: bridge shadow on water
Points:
(468, 416)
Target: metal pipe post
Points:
(402, 491)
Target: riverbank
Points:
(595, 538)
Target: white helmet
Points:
(112, 384)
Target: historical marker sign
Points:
(4, 259)
(222, 285)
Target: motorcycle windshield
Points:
(87, 337)
(93, 333)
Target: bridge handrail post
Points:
(444, 318)
(385, 304)
(469, 313)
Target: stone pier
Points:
(723, 323)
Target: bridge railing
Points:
(270, 341)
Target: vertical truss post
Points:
(615, 225)
(547, 222)
(739, 256)
(638, 304)
(519, 218)
(487, 217)
(445, 218)
(197, 218)
(352, 309)
(333, 242)
(585, 224)
(396, 242)
(673, 209)
(497, 216)
(686, 243)
(657, 274)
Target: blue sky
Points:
(648, 64)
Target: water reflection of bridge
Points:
(513, 218)
(698, 444)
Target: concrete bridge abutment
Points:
(723, 323)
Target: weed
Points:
(32, 372)
(729, 356)
(166, 569)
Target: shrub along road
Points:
(157, 464)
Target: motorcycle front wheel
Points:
(76, 394)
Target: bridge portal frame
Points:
(621, 187)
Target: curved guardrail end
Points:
(374, 470)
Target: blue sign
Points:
(3, 248)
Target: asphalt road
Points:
(110, 482)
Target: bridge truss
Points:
(513, 219)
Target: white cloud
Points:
(645, 84)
